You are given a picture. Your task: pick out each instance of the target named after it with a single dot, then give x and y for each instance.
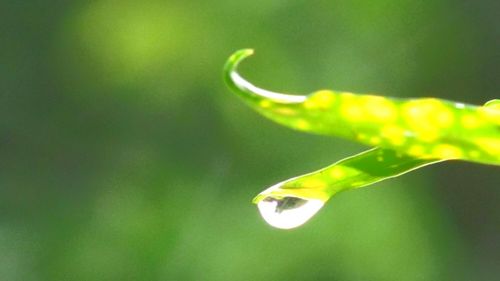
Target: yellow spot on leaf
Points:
(470, 121)
(490, 145)
(321, 99)
(285, 111)
(425, 115)
(375, 140)
(265, 103)
(310, 104)
(416, 150)
(428, 134)
(490, 113)
(337, 173)
(447, 151)
(351, 108)
(379, 108)
(302, 124)
(352, 112)
(444, 118)
(394, 134)
(361, 137)
(314, 183)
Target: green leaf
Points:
(407, 133)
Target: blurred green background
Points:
(125, 157)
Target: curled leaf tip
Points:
(232, 64)
(236, 58)
(247, 90)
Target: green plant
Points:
(407, 134)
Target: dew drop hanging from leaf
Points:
(288, 212)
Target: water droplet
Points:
(288, 212)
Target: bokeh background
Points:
(123, 156)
